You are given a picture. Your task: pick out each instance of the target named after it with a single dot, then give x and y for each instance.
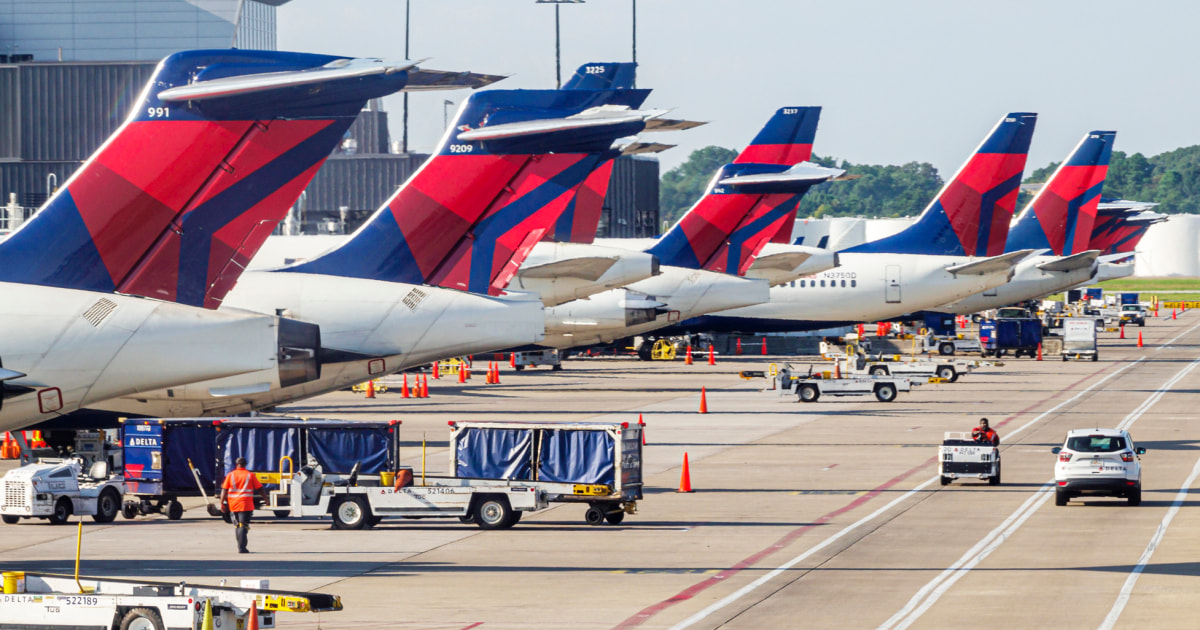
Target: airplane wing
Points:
(1071, 263)
(1112, 258)
(993, 264)
(669, 124)
(250, 83)
(804, 172)
(638, 148)
(588, 268)
(595, 117)
(786, 261)
(421, 80)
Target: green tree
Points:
(880, 191)
(683, 185)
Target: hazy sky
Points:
(899, 80)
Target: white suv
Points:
(1098, 462)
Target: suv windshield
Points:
(1096, 444)
(1131, 307)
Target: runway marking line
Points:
(647, 613)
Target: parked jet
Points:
(745, 205)
(953, 249)
(1058, 225)
(167, 208)
(420, 280)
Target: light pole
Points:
(404, 141)
(446, 104)
(557, 39)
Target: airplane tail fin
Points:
(1119, 231)
(1061, 216)
(786, 139)
(501, 177)
(971, 214)
(181, 196)
(603, 76)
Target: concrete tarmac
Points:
(804, 515)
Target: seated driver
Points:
(984, 433)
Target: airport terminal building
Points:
(69, 69)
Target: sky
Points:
(899, 81)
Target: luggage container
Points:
(1020, 336)
(1079, 339)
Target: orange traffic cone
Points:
(687, 359)
(467, 367)
(1173, 314)
(424, 387)
(685, 477)
(738, 349)
(512, 359)
(252, 617)
(764, 346)
(703, 400)
(437, 371)
(496, 378)
(462, 372)
(1122, 332)
(370, 389)
(837, 369)
(712, 355)
(1139, 339)
(1040, 346)
(861, 331)
(404, 388)
(642, 425)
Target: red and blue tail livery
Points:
(501, 178)
(1062, 214)
(219, 145)
(1121, 225)
(786, 139)
(971, 214)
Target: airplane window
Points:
(801, 284)
(793, 284)
(853, 283)
(822, 283)
(843, 284)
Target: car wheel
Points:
(62, 511)
(878, 370)
(351, 513)
(994, 480)
(468, 518)
(493, 512)
(946, 349)
(129, 510)
(1135, 496)
(142, 619)
(9, 519)
(947, 372)
(108, 506)
(945, 480)
(1096, 357)
(1060, 497)
(885, 392)
(809, 393)
(518, 367)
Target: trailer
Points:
(46, 600)
(1018, 335)
(498, 471)
(166, 459)
(961, 457)
(856, 361)
(549, 358)
(1079, 339)
(811, 387)
(56, 489)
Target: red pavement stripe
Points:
(645, 614)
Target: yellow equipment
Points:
(663, 350)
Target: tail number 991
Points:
(159, 112)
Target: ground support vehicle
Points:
(166, 459)
(810, 387)
(1079, 339)
(551, 358)
(45, 601)
(55, 489)
(498, 470)
(1098, 462)
(1133, 314)
(1018, 335)
(950, 345)
(962, 457)
(855, 361)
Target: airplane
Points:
(744, 206)
(101, 289)
(1058, 225)
(1120, 226)
(954, 249)
(422, 279)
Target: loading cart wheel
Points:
(108, 505)
(281, 513)
(809, 393)
(945, 480)
(594, 515)
(62, 511)
(885, 392)
(174, 510)
(142, 619)
(946, 349)
(468, 518)
(614, 517)
(947, 372)
(351, 513)
(878, 370)
(994, 480)
(129, 510)
(9, 519)
(493, 512)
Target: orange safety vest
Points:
(241, 484)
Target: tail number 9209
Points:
(461, 148)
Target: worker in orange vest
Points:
(237, 498)
(984, 433)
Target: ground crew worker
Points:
(237, 498)
(984, 433)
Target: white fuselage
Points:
(80, 347)
(394, 326)
(871, 287)
(674, 295)
(1028, 283)
(776, 263)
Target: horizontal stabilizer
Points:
(8, 375)
(596, 117)
(994, 264)
(669, 124)
(1081, 260)
(802, 173)
(640, 302)
(640, 148)
(785, 261)
(589, 268)
(422, 80)
(1125, 204)
(1115, 258)
(340, 69)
